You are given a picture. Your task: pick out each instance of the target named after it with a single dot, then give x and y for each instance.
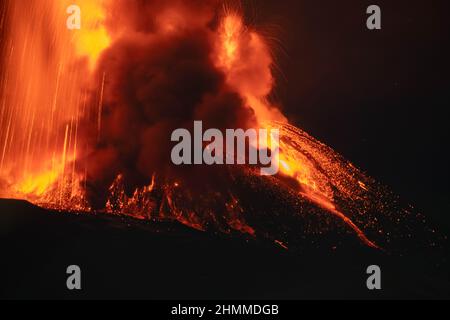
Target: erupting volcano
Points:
(86, 118)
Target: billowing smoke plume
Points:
(159, 75)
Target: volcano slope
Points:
(123, 257)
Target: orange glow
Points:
(38, 185)
(45, 89)
(246, 61)
(44, 92)
(92, 38)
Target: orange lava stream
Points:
(246, 60)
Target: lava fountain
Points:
(86, 117)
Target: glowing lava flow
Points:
(244, 56)
(44, 94)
